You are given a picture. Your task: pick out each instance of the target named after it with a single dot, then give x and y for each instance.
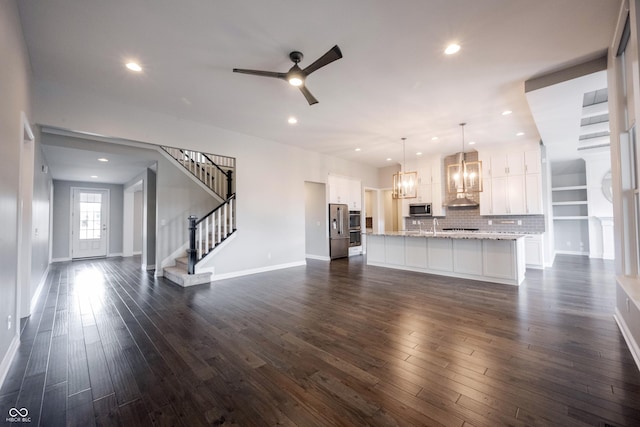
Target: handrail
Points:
(212, 229)
(233, 196)
(201, 166)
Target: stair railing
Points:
(215, 171)
(209, 231)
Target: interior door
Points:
(89, 219)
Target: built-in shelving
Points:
(570, 207)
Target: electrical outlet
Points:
(519, 222)
(489, 222)
(9, 323)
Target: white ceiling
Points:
(394, 80)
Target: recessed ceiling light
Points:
(102, 159)
(94, 176)
(452, 48)
(419, 153)
(506, 112)
(388, 159)
(357, 149)
(435, 138)
(519, 133)
(134, 66)
(292, 120)
(472, 142)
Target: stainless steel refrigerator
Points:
(338, 231)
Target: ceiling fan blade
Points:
(310, 98)
(261, 73)
(332, 55)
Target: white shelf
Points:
(576, 202)
(574, 187)
(564, 218)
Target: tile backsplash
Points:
(469, 217)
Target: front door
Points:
(89, 230)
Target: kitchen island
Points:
(490, 257)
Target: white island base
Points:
(490, 257)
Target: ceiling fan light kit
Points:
(297, 76)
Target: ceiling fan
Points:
(296, 76)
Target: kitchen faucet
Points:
(435, 222)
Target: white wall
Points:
(62, 213)
(316, 216)
(15, 98)
(270, 176)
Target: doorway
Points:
(89, 222)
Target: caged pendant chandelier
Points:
(405, 184)
(463, 179)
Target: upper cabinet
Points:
(345, 190)
(512, 182)
(430, 184)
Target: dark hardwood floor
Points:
(334, 343)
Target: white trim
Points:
(318, 257)
(136, 253)
(11, 353)
(215, 278)
(65, 259)
(628, 337)
(36, 294)
(113, 255)
(170, 260)
(107, 217)
(580, 253)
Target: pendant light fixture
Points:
(405, 184)
(463, 179)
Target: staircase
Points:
(209, 232)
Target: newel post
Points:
(229, 183)
(192, 251)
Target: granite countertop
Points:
(453, 235)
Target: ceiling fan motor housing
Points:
(296, 56)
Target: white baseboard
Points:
(136, 253)
(318, 257)
(65, 259)
(36, 294)
(114, 255)
(11, 353)
(580, 253)
(215, 278)
(628, 337)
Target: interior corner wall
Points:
(40, 217)
(15, 90)
(316, 226)
(61, 232)
(149, 216)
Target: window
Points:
(90, 220)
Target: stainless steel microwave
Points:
(420, 209)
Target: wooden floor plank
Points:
(330, 343)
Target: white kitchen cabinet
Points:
(468, 256)
(439, 254)
(416, 252)
(533, 193)
(508, 195)
(345, 190)
(533, 250)
(512, 183)
(532, 161)
(509, 163)
(355, 195)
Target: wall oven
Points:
(354, 228)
